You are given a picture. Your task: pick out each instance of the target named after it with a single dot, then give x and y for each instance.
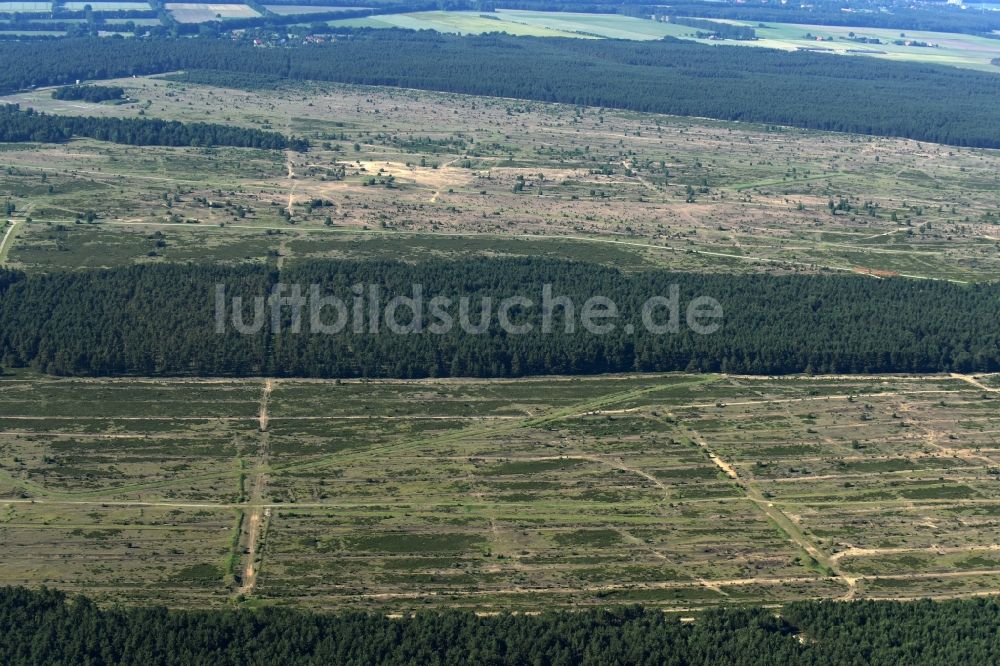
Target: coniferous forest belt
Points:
(811, 90)
(162, 320)
(44, 627)
(28, 125)
(91, 94)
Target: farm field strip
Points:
(675, 490)
(455, 22)
(958, 50)
(79, 6)
(198, 12)
(289, 10)
(14, 7)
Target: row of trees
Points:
(92, 94)
(717, 29)
(164, 320)
(867, 95)
(29, 125)
(46, 627)
(895, 14)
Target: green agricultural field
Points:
(519, 22)
(107, 6)
(291, 10)
(678, 491)
(198, 12)
(32, 33)
(32, 7)
(138, 22)
(953, 49)
(463, 23)
(966, 51)
(611, 26)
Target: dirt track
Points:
(256, 520)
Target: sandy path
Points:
(292, 182)
(7, 240)
(256, 521)
(969, 379)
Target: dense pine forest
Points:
(91, 94)
(46, 627)
(811, 90)
(18, 124)
(161, 320)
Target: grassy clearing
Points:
(966, 51)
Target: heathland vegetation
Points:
(153, 454)
(676, 491)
